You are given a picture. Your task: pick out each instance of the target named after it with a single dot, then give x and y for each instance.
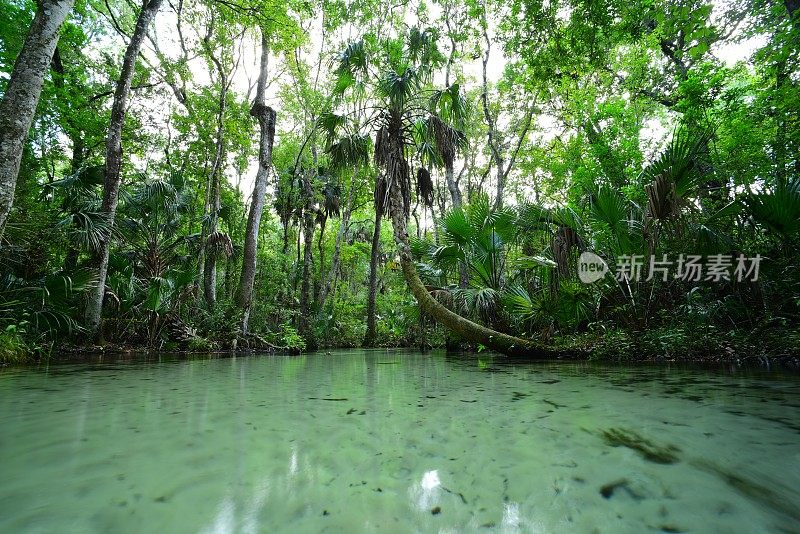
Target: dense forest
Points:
(606, 178)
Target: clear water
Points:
(394, 442)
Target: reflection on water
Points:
(395, 442)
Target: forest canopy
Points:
(263, 174)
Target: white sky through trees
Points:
(546, 126)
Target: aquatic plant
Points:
(651, 452)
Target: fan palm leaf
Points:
(778, 210)
(398, 87)
(682, 162)
(350, 151)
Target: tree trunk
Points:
(209, 266)
(369, 337)
(306, 329)
(493, 135)
(111, 185)
(266, 119)
(22, 94)
(452, 186)
(458, 325)
(344, 223)
(321, 254)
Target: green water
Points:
(395, 442)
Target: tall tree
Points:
(327, 284)
(22, 94)
(399, 93)
(211, 208)
(309, 216)
(266, 120)
(502, 167)
(113, 170)
(375, 254)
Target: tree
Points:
(22, 94)
(211, 238)
(266, 120)
(399, 96)
(502, 168)
(113, 167)
(374, 257)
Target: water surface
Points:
(396, 442)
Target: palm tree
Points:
(288, 201)
(330, 209)
(475, 238)
(444, 128)
(778, 209)
(348, 152)
(160, 257)
(85, 225)
(400, 101)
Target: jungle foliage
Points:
(473, 148)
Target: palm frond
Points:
(350, 151)
(219, 243)
(609, 207)
(778, 210)
(456, 227)
(683, 162)
(399, 87)
(449, 104)
(87, 227)
(331, 123)
(519, 303)
(422, 50)
(485, 303)
(351, 63)
(425, 187)
(157, 190)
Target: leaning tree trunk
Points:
(111, 185)
(369, 337)
(466, 329)
(22, 94)
(393, 160)
(266, 120)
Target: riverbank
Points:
(769, 347)
(765, 346)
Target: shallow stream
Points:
(374, 441)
